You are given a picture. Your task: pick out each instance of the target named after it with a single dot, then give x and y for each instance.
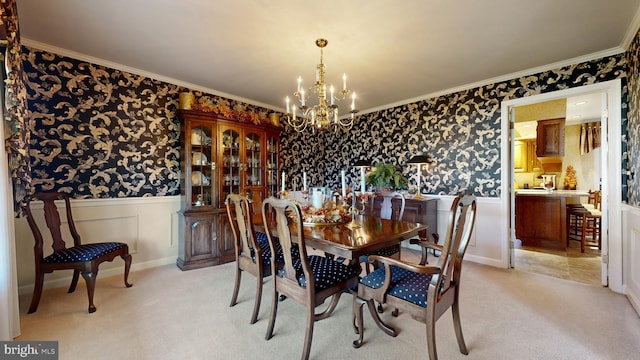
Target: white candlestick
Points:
(353, 101)
(331, 91)
(304, 181)
(344, 81)
(302, 97)
(283, 181)
(288, 105)
(299, 83)
(344, 184)
(316, 199)
(362, 182)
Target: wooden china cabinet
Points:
(219, 157)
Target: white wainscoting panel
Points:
(631, 231)
(148, 225)
(485, 245)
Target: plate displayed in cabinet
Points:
(197, 178)
(199, 158)
(198, 137)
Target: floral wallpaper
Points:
(461, 131)
(16, 120)
(631, 163)
(100, 133)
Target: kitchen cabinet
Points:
(541, 217)
(550, 138)
(524, 156)
(219, 157)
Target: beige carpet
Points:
(170, 314)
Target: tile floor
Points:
(570, 264)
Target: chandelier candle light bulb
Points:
(304, 181)
(283, 181)
(344, 184)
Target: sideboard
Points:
(424, 211)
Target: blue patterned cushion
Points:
(86, 252)
(326, 272)
(263, 242)
(405, 284)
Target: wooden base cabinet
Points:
(424, 211)
(219, 157)
(540, 221)
(203, 240)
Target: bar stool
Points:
(575, 214)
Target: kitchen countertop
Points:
(553, 193)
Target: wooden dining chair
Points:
(424, 291)
(83, 259)
(253, 254)
(311, 279)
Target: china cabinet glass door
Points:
(272, 165)
(202, 166)
(253, 160)
(231, 163)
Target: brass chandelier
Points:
(324, 115)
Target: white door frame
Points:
(612, 185)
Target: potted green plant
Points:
(386, 177)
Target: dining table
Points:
(362, 236)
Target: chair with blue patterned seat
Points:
(253, 253)
(310, 279)
(83, 259)
(424, 291)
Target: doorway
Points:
(579, 114)
(611, 259)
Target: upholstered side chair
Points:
(83, 259)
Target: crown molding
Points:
(632, 31)
(506, 77)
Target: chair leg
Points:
(431, 335)
(332, 305)
(74, 281)
(374, 314)
(274, 310)
(37, 292)
(127, 267)
(357, 321)
(306, 350)
(90, 279)
(256, 305)
(583, 237)
(236, 287)
(455, 310)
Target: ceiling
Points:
(392, 52)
